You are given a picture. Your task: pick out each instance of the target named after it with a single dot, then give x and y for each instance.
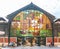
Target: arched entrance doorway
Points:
(31, 27)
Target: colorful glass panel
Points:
(31, 23)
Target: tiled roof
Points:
(57, 20)
(2, 20)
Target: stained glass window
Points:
(31, 23)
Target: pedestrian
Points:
(51, 44)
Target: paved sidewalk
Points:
(34, 47)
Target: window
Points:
(31, 23)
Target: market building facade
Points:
(31, 26)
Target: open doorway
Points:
(42, 41)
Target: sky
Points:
(9, 6)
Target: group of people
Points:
(27, 42)
(13, 44)
(32, 43)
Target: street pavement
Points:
(28, 47)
